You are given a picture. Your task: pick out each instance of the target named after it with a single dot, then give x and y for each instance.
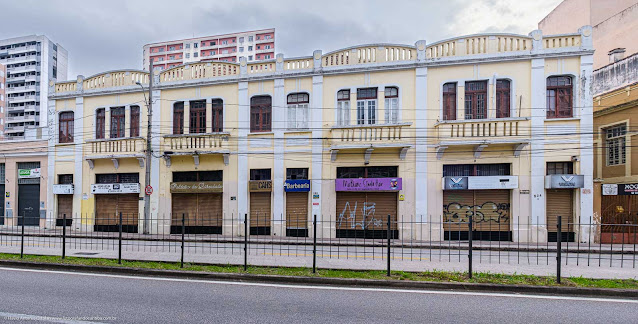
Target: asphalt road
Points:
(77, 298)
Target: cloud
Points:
(109, 35)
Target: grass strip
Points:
(432, 276)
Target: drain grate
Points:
(86, 253)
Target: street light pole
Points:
(147, 177)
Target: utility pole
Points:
(147, 178)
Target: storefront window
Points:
(190, 176)
(117, 178)
(465, 170)
(560, 168)
(260, 174)
(296, 173)
(367, 172)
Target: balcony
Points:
(263, 40)
(367, 138)
(14, 129)
(25, 68)
(21, 89)
(115, 149)
(23, 49)
(195, 145)
(481, 133)
(22, 59)
(20, 99)
(20, 119)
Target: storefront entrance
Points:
(560, 202)
(490, 210)
(197, 197)
(619, 206)
(115, 194)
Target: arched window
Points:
(100, 119)
(449, 101)
(476, 100)
(197, 117)
(559, 97)
(117, 122)
(298, 110)
(367, 106)
(218, 115)
(135, 121)
(66, 127)
(178, 118)
(261, 114)
(391, 105)
(343, 107)
(502, 98)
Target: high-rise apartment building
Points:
(254, 45)
(30, 62)
(3, 85)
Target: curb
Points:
(362, 283)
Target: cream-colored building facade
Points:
(425, 133)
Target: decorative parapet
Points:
(479, 44)
(200, 70)
(369, 54)
(115, 79)
(301, 63)
(561, 41)
(261, 67)
(67, 86)
(466, 47)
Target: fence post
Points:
(469, 248)
(314, 245)
(181, 262)
(558, 250)
(22, 235)
(389, 236)
(245, 242)
(119, 252)
(63, 236)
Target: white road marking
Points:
(409, 291)
(8, 317)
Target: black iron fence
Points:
(356, 243)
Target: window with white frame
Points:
(367, 106)
(298, 110)
(343, 107)
(615, 143)
(391, 105)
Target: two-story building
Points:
(497, 126)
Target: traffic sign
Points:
(148, 190)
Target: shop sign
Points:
(63, 189)
(454, 183)
(197, 186)
(260, 185)
(115, 188)
(28, 173)
(369, 184)
(620, 189)
(297, 186)
(564, 181)
(480, 182)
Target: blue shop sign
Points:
(297, 186)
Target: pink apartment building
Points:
(254, 45)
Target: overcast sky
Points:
(103, 35)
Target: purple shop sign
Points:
(369, 184)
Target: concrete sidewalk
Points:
(359, 258)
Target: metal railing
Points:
(346, 241)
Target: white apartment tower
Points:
(30, 61)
